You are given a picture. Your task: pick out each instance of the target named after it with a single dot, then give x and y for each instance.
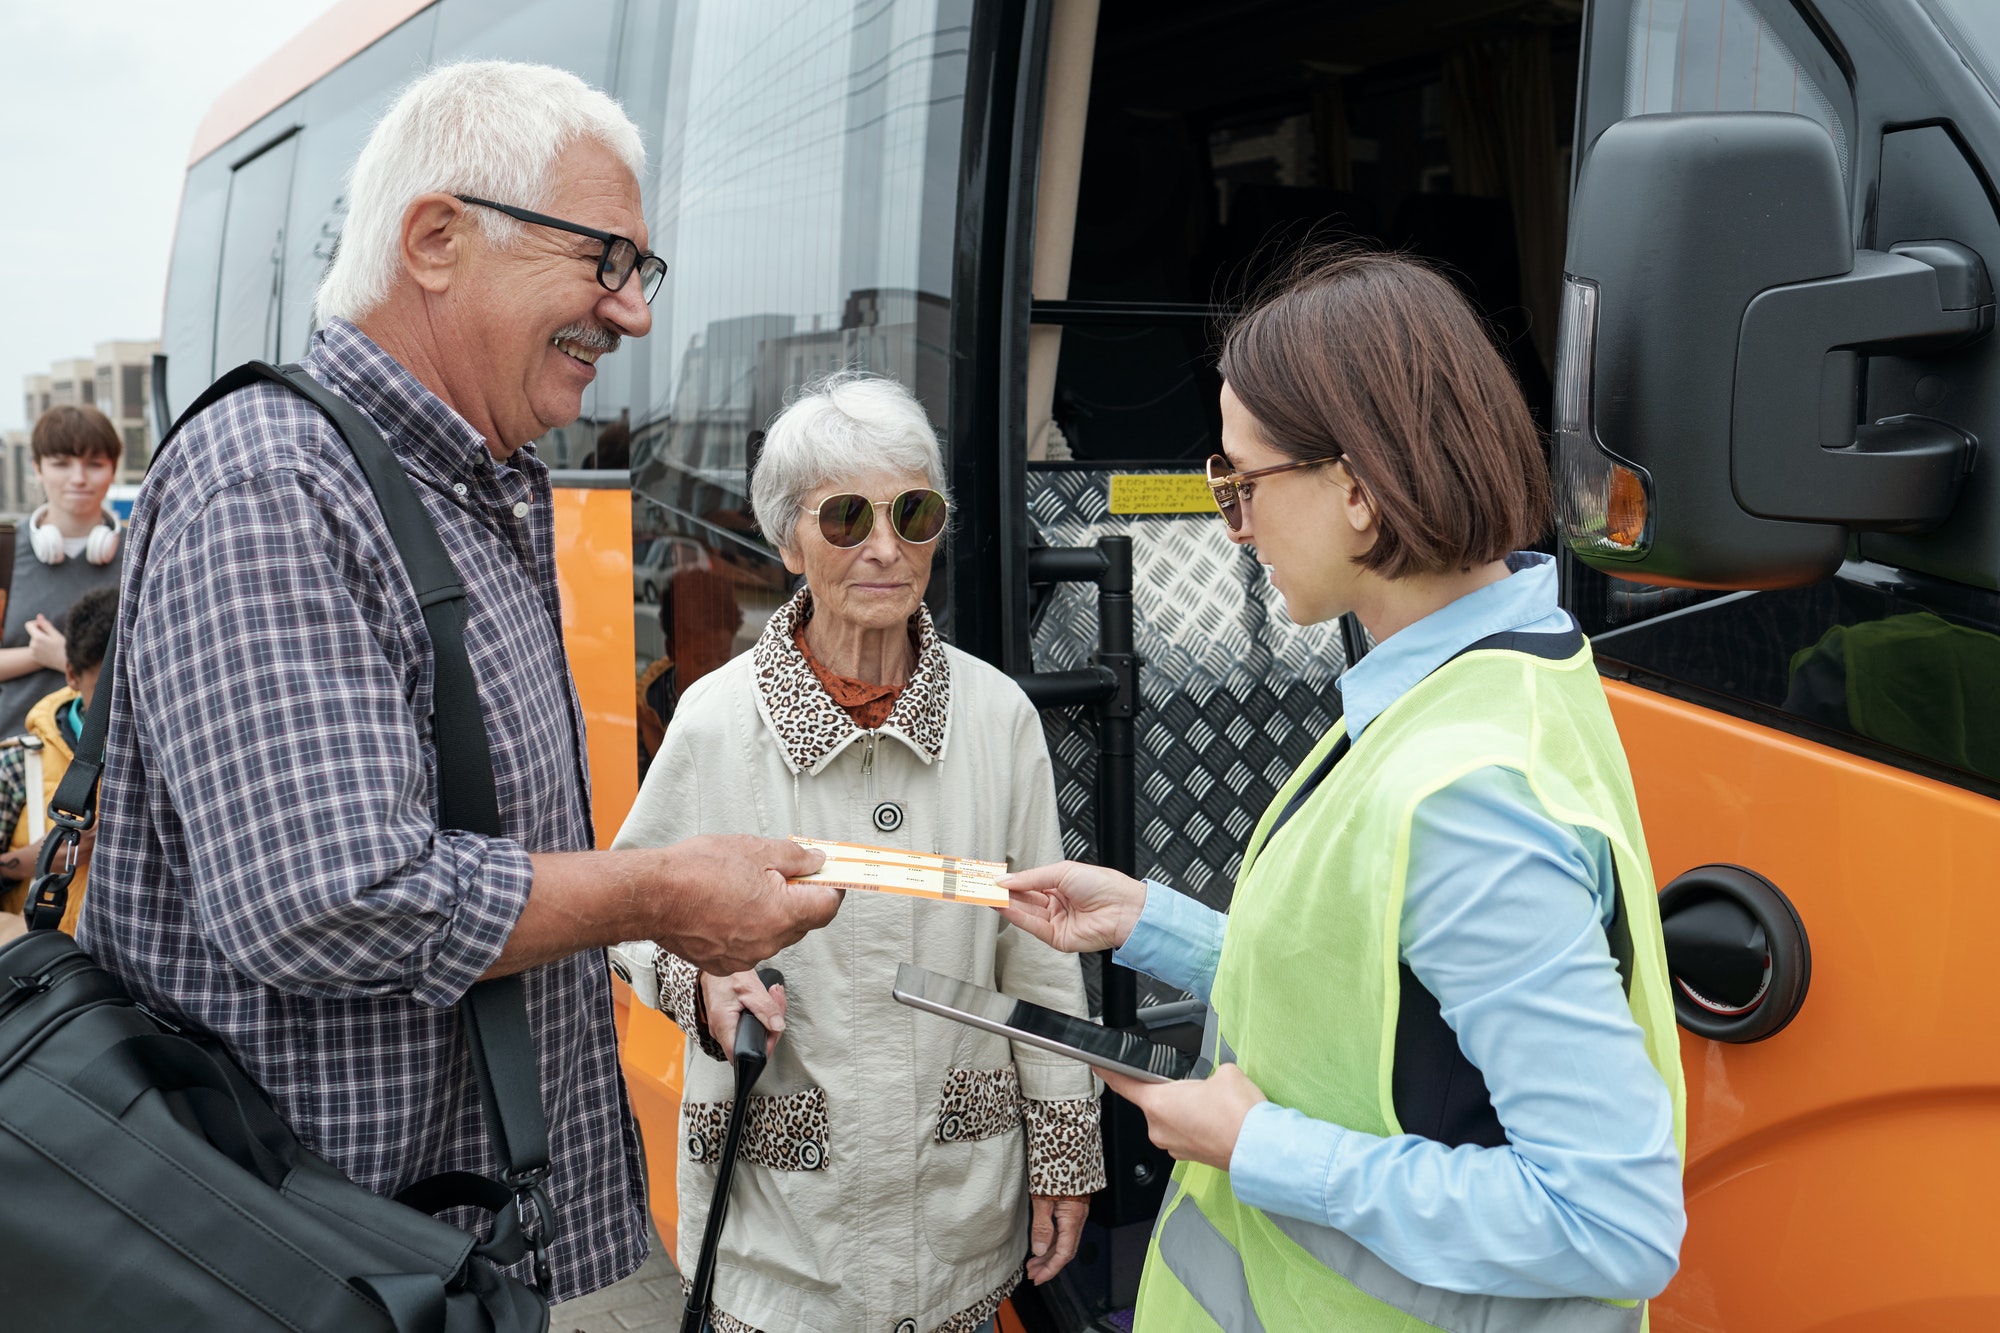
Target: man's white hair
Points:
(491, 128)
(839, 429)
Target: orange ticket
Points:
(951, 879)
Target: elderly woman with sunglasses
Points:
(896, 1169)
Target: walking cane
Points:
(749, 1061)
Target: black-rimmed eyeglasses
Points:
(614, 266)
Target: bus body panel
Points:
(1839, 1174)
(321, 47)
(651, 1050)
(594, 573)
(594, 570)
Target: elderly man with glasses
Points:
(270, 868)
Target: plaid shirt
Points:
(270, 865)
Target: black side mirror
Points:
(1714, 316)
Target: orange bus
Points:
(1737, 252)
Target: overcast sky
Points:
(98, 107)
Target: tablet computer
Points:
(1050, 1029)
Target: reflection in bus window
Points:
(1905, 662)
(340, 110)
(1973, 28)
(699, 621)
(187, 325)
(247, 303)
(804, 164)
(571, 34)
(1718, 55)
(1914, 681)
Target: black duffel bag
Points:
(146, 1183)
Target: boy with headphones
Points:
(67, 548)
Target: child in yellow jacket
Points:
(57, 720)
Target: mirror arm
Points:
(1795, 450)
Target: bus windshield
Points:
(1973, 27)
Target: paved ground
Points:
(647, 1302)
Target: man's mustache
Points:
(591, 336)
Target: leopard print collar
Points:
(811, 727)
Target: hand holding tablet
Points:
(1051, 1030)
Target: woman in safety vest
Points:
(1447, 1089)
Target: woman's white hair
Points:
(839, 429)
(491, 128)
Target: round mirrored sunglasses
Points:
(916, 516)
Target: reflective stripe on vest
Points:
(1214, 1046)
(1166, 1205)
(1454, 1310)
(1209, 1267)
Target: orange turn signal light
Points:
(1625, 508)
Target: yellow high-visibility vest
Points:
(1313, 930)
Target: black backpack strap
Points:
(494, 1013)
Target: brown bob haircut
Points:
(1378, 360)
(75, 432)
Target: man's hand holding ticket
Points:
(952, 879)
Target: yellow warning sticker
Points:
(1161, 493)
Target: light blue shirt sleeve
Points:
(1176, 940)
(1503, 921)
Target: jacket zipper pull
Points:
(868, 762)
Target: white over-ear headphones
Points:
(47, 539)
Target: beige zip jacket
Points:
(889, 1154)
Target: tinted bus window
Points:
(340, 110)
(247, 303)
(1719, 55)
(187, 332)
(805, 161)
(1973, 27)
(575, 35)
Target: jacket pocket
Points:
(785, 1133)
(972, 1171)
(978, 1104)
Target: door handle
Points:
(1737, 953)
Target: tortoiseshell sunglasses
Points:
(1232, 489)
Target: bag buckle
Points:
(529, 1189)
(50, 894)
(64, 819)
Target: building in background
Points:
(18, 492)
(117, 381)
(124, 379)
(37, 397)
(73, 383)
